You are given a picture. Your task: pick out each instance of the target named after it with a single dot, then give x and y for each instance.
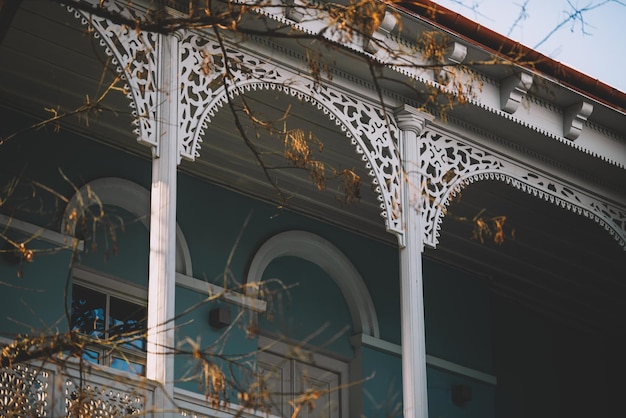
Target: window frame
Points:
(278, 350)
(122, 290)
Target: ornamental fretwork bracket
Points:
(210, 73)
(446, 164)
(371, 131)
(450, 164)
(134, 55)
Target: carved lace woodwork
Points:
(24, 391)
(102, 401)
(134, 55)
(364, 124)
(449, 164)
(204, 91)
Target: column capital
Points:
(179, 34)
(411, 119)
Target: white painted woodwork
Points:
(206, 288)
(329, 258)
(534, 137)
(62, 241)
(574, 119)
(415, 397)
(162, 269)
(432, 361)
(512, 91)
(291, 370)
(127, 195)
(454, 56)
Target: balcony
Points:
(52, 390)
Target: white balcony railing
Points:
(51, 390)
(65, 390)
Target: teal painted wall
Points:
(47, 158)
(440, 404)
(124, 258)
(211, 218)
(458, 329)
(41, 285)
(382, 389)
(311, 307)
(231, 348)
(458, 317)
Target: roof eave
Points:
(506, 48)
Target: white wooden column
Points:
(162, 269)
(415, 399)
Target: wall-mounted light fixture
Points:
(219, 317)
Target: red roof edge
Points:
(507, 48)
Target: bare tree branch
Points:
(523, 15)
(576, 14)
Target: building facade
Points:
(299, 218)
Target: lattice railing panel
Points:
(24, 392)
(102, 401)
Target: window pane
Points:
(88, 309)
(128, 366)
(91, 356)
(128, 321)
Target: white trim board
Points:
(231, 296)
(111, 285)
(40, 233)
(432, 361)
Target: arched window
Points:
(127, 195)
(109, 292)
(321, 252)
(288, 372)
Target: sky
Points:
(593, 43)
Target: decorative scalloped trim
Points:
(535, 155)
(473, 101)
(338, 73)
(604, 131)
(385, 203)
(542, 103)
(530, 189)
(546, 133)
(392, 218)
(144, 124)
(480, 76)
